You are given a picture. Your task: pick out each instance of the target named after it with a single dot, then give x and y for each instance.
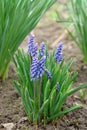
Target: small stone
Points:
(23, 119)
(8, 126)
(84, 67)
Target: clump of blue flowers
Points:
(44, 82)
(38, 66)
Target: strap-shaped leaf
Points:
(64, 112)
(63, 97)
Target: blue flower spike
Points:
(34, 50)
(34, 67)
(37, 68)
(41, 66)
(42, 49)
(31, 44)
(58, 53)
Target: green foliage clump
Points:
(77, 20)
(17, 19)
(44, 88)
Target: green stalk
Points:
(46, 95)
(39, 96)
(34, 113)
(4, 71)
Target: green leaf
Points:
(63, 97)
(43, 106)
(17, 87)
(64, 112)
(47, 90)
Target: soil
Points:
(11, 109)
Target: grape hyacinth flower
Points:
(58, 53)
(37, 68)
(48, 73)
(34, 50)
(34, 68)
(42, 49)
(31, 44)
(41, 66)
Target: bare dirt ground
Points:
(11, 109)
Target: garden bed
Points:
(11, 109)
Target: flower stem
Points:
(39, 90)
(34, 114)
